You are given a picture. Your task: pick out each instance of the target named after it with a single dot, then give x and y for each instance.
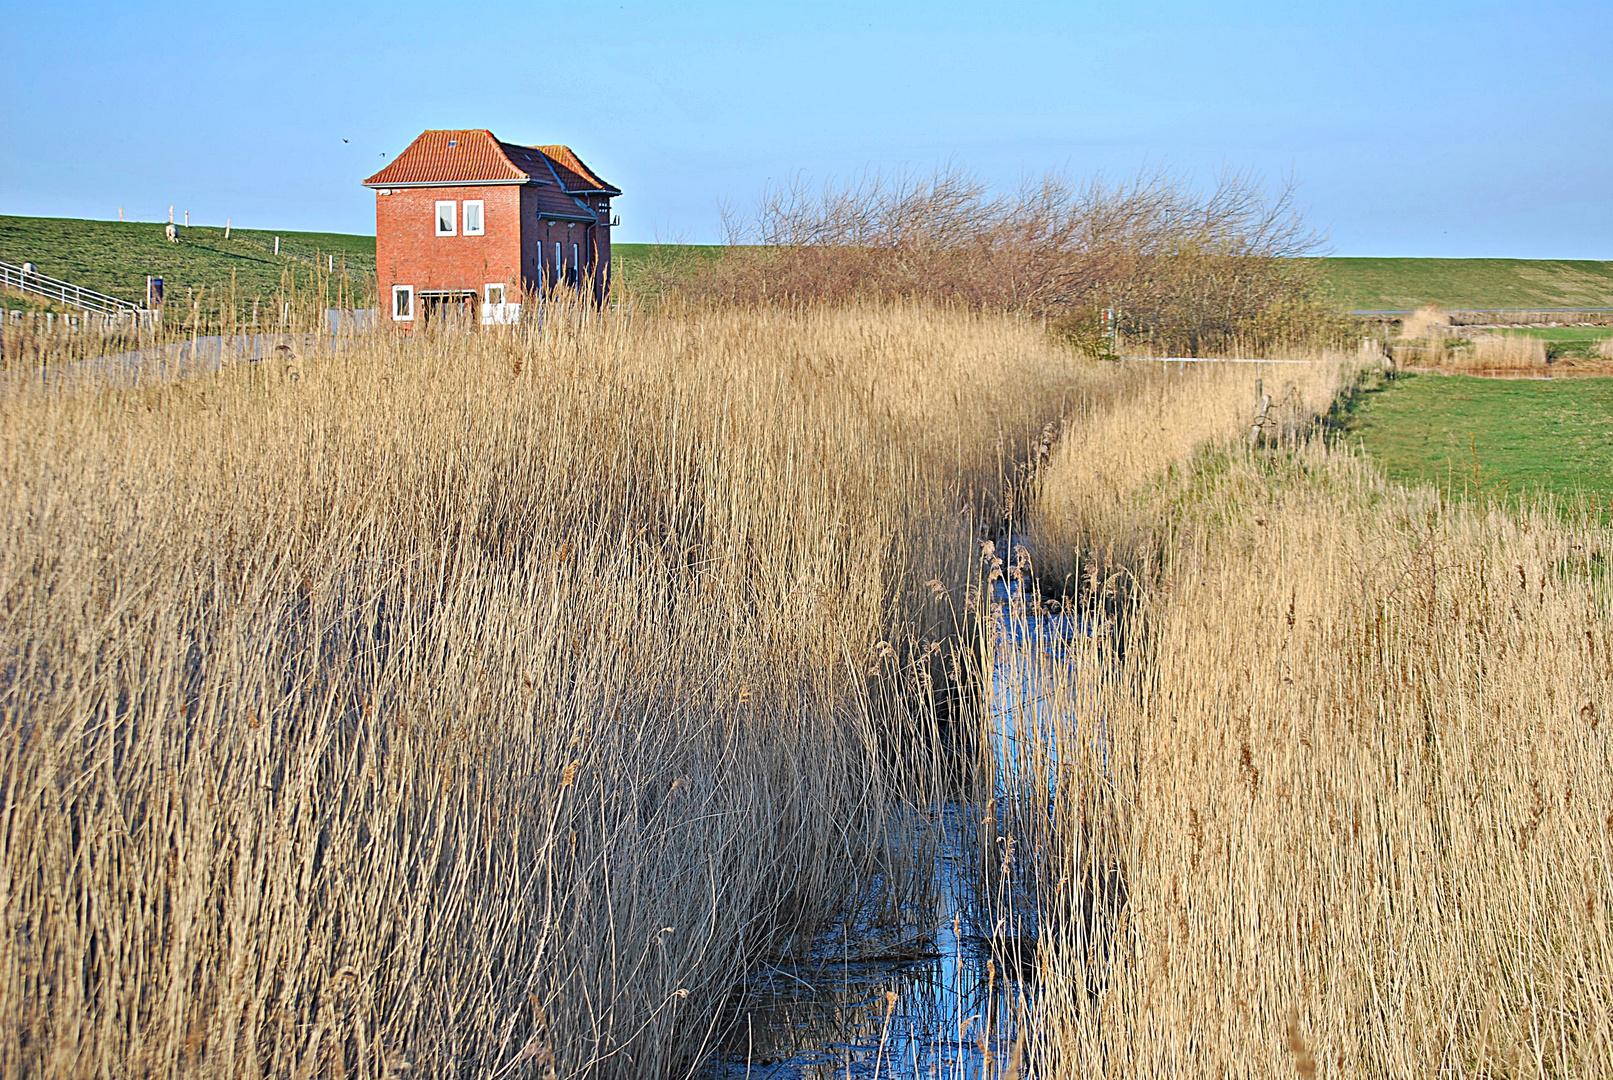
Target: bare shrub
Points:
(1426, 320)
(1184, 269)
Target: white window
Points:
(446, 218)
(493, 294)
(402, 303)
(473, 217)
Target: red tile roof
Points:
(475, 156)
(573, 174)
(451, 157)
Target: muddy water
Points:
(945, 1003)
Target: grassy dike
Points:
(1365, 284)
(116, 256)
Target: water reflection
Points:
(941, 1007)
(954, 1001)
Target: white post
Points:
(277, 245)
(187, 219)
(170, 214)
(226, 228)
(120, 213)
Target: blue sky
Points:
(1413, 129)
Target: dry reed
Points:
(478, 704)
(1339, 804)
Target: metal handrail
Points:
(13, 276)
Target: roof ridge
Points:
(476, 155)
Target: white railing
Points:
(27, 280)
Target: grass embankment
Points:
(1490, 438)
(1362, 284)
(1352, 772)
(115, 257)
(484, 705)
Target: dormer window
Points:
(473, 217)
(446, 215)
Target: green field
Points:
(1491, 437)
(1405, 284)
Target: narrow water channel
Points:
(948, 1006)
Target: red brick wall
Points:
(539, 238)
(409, 252)
(602, 247)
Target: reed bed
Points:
(1491, 355)
(480, 704)
(1335, 802)
(1092, 511)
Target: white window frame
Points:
(405, 290)
(453, 217)
(491, 289)
(481, 218)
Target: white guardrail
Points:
(27, 280)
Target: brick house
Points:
(468, 224)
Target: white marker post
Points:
(277, 245)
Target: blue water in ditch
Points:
(946, 1005)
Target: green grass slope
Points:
(1405, 284)
(1491, 437)
(116, 256)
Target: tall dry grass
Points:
(1426, 320)
(1339, 803)
(1492, 355)
(479, 704)
(1093, 506)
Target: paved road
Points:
(126, 370)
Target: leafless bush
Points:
(1184, 269)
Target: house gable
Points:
(543, 220)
